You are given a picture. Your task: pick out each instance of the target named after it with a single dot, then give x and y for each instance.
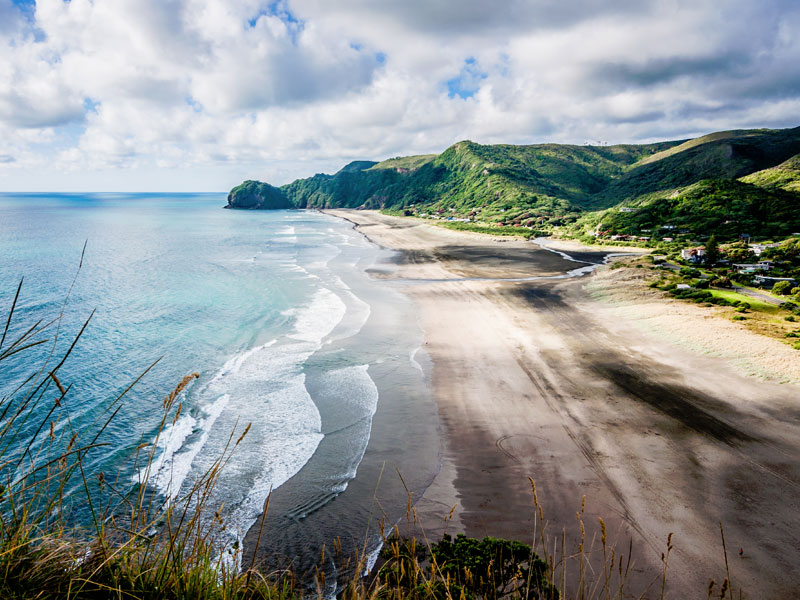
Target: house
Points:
(625, 209)
(757, 249)
(769, 282)
(694, 255)
(683, 286)
(751, 267)
(668, 239)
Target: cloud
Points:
(288, 88)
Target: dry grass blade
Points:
(11, 313)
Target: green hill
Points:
(724, 155)
(725, 207)
(555, 184)
(786, 176)
(257, 195)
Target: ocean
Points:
(275, 311)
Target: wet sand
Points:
(539, 379)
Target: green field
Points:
(755, 304)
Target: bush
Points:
(790, 318)
(689, 272)
(782, 288)
(466, 568)
(723, 282)
(702, 284)
(739, 318)
(743, 304)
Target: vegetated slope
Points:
(548, 180)
(725, 207)
(255, 194)
(723, 155)
(786, 176)
(556, 184)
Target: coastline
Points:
(540, 379)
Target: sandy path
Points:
(538, 379)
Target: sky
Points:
(198, 95)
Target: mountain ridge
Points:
(557, 184)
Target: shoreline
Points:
(535, 379)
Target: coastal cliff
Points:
(258, 195)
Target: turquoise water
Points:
(273, 309)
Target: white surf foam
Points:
(175, 461)
(352, 390)
(265, 386)
(412, 357)
(318, 320)
(233, 364)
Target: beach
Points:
(616, 409)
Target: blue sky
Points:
(196, 95)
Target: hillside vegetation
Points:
(725, 207)
(743, 180)
(786, 176)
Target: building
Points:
(694, 255)
(751, 267)
(769, 282)
(757, 249)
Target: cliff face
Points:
(258, 195)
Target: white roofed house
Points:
(757, 249)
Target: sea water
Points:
(274, 310)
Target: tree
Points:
(712, 250)
(782, 288)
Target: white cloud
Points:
(284, 89)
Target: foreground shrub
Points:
(466, 568)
